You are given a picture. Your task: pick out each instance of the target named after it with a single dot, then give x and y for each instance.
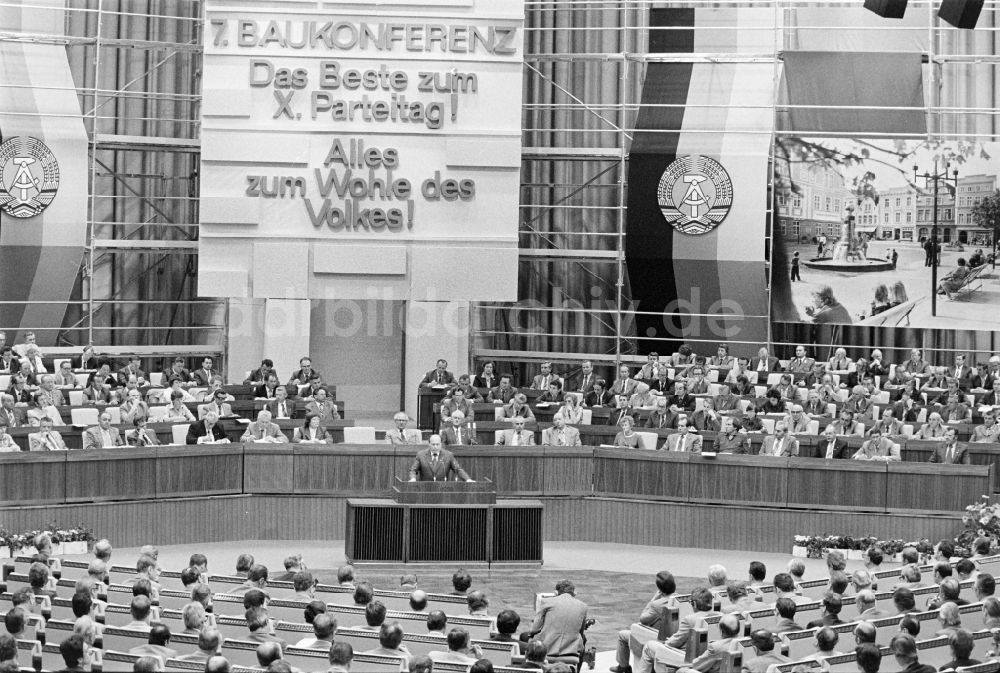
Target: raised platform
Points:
(213, 493)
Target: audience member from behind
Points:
(421, 664)
(763, 646)
(243, 564)
(672, 652)
(961, 645)
(904, 649)
(710, 661)
(869, 657)
(140, 609)
(390, 642)
(261, 628)
(785, 609)
(460, 582)
(217, 664)
(209, 645)
(559, 622)
(478, 603)
(909, 624)
(363, 593)
(651, 616)
(437, 621)
(72, 651)
(418, 600)
(159, 638)
(324, 628)
(341, 656)
(374, 615)
(832, 605)
(345, 576)
(507, 623)
(458, 651)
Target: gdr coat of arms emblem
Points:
(29, 176)
(695, 194)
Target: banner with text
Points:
(361, 151)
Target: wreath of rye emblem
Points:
(29, 176)
(695, 194)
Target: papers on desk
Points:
(542, 405)
(438, 386)
(708, 454)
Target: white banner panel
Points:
(365, 125)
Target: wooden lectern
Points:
(444, 521)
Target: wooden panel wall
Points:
(594, 519)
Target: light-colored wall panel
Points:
(374, 260)
(280, 269)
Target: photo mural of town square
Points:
(854, 232)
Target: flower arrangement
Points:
(15, 542)
(815, 546)
(980, 519)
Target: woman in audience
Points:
(177, 411)
(133, 407)
(140, 435)
(571, 411)
(627, 438)
(881, 302)
(897, 295)
(933, 429)
(311, 432)
(175, 387)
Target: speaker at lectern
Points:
(444, 492)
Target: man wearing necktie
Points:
(542, 381)
(436, 464)
(397, 435)
(46, 439)
(11, 416)
(832, 448)
(456, 434)
(281, 406)
(950, 453)
(518, 436)
(560, 434)
(682, 440)
(878, 447)
(438, 376)
(782, 444)
(587, 377)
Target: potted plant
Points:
(799, 545)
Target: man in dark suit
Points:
(176, 371)
(961, 372)
(764, 362)
(832, 447)
(207, 431)
(304, 375)
(763, 645)
(458, 434)
(662, 417)
(950, 453)
(585, 383)
(281, 406)
(439, 376)
(599, 396)
(436, 464)
(259, 376)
